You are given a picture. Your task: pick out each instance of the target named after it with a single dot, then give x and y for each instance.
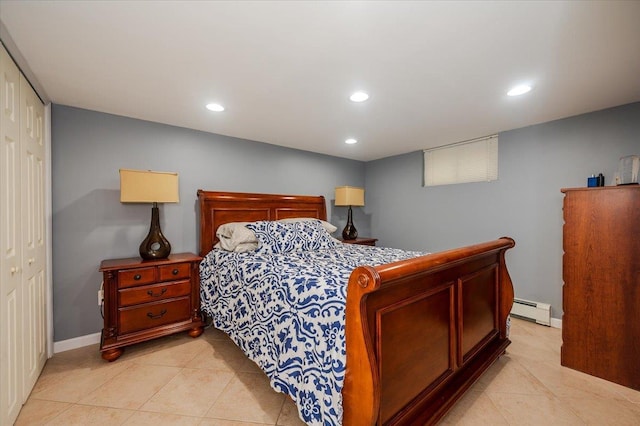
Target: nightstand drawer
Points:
(175, 272)
(153, 293)
(138, 276)
(153, 315)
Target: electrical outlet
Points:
(100, 297)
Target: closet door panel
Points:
(33, 242)
(11, 273)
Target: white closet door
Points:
(33, 234)
(11, 337)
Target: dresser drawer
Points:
(153, 315)
(138, 276)
(153, 293)
(175, 271)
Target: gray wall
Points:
(525, 203)
(90, 223)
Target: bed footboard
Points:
(421, 331)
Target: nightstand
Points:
(145, 299)
(361, 241)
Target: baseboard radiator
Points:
(537, 312)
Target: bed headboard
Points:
(217, 208)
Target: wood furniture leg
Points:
(112, 354)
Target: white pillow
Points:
(242, 247)
(326, 225)
(235, 236)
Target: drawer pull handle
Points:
(163, 291)
(175, 271)
(160, 315)
(137, 277)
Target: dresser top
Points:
(602, 188)
(137, 262)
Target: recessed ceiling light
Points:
(350, 141)
(519, 90)
(359, 97)
(215, 107)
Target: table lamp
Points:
(349, 196)
(146, 186)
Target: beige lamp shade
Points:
(146, 186)
(349, 196)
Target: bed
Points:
(418, 332)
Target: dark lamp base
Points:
(349, 232)
(155, 246)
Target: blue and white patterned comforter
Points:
(287, 313)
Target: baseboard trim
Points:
(76, 342)
(92, 339)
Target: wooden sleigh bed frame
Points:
(419, 332)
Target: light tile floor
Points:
(178, 380)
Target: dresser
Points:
(363, 241)
(148, 299)
(601, 292)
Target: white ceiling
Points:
(437, 72)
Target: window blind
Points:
(471, 161)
